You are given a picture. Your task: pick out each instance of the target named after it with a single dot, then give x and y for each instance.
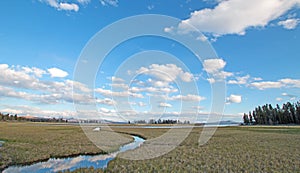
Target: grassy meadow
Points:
(231, 149)
(26, 143)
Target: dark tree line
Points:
(8, 117)
(288, 113)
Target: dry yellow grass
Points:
(30, 142)
(231, 149)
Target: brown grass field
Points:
(231, 149)
(26, 143)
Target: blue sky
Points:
(256, 44)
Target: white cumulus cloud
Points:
(68, 6)
(214, 67)
(240, 80)
(35, 71)
(56, 72)
(236, 16)
(111, 93)
(281, 83)
(105, 110)
(106, 101)
(188, 97)
(62, 5)
(23, 110)
(234, 99)
(289, 23)
(166, 72)
(266, 85)
(165, 105)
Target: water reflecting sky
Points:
(54, 165)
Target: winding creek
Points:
(1, 143)
(72, 163)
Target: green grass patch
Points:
(271, 129)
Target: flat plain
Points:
(26, 143)
(231, 149)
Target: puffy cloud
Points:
(153, 90)
(106, 101)
(110, 93)
(56, 72)
(20, 77)
(159, 83)
(77, 86)
(236, 16)
(214, 67)
(189, 97)
(62, 5)
(49, 98)
(35, 71)
(266, 85)
(105, 110)
(117, 80)
(166, 73)
(234, 99)
(68, 6)
(287, 82)
(289, 23)
(162, 104)
(22, 82)
(23, 110)
(240, 80)
(9, 92)
(186, 76)
(119, 85)
(279, 99)
(52, 3)
(291, 82)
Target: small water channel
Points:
(1, 143)
(72, 163)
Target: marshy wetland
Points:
(231, 149)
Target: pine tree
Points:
(246, 119)
(288, 113)
(250, 118)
